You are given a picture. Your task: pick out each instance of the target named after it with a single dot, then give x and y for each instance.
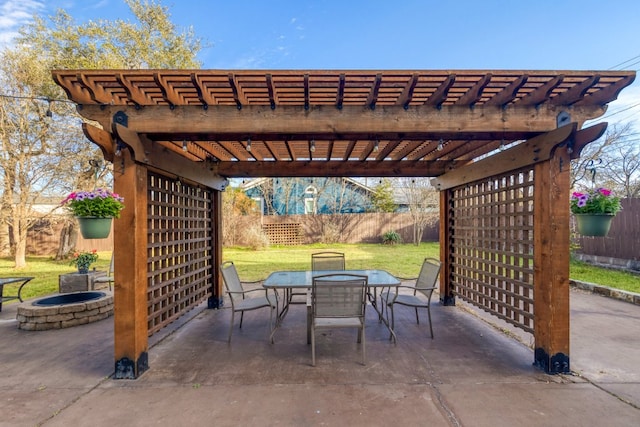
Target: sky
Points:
(399, 34)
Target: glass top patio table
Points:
(304, 279)
(11, 280)
(289, 280)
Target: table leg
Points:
(309, 319)
(280, 314)
(374, 304)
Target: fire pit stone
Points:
(64, 311)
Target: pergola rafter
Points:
(497, 143)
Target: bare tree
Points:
(598, 158)
(623, 167)
(422, 200)
(37, 145)
(279, 195)
(43, 150)
(238, 211)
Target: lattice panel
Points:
(283, 234)
(179, 248)
(491, 237)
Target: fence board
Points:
(354, 228)
(623, 240)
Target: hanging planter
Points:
(94, 228)
(95, 210)
(596, 225)
(594, 210)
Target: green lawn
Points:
(603, 276)
(401, 260)
(46, 272)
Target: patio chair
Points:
(327, 261)
(105, 279)
(320, 261)
(239, 301)
(338, 301)
(420, 297)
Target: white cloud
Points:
(14, 14)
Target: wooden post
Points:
(551, 263)
(446, 293)
(216, 299)
(130, 269)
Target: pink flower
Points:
(604, 192)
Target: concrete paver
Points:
(471, 374)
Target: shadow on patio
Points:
(470, 374)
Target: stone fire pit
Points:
(64, 311)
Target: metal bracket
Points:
(215, 302)
(592, 166)
(121, 118)
(563, 118)
(448, 300)
(557, 364)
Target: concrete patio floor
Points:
(471, 374)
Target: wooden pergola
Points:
(498, 145)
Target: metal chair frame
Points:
(328, 260)
(108, 278)
(238, 296)
(338, 301)
(425, 285)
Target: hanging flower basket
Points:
(94, 228)
(594, 210)
(596, 225)
(95, 210)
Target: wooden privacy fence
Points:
(44, 237)
(623, 240)
(352, 228)
(282, 230)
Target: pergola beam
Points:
(162, 158)
(528, 153)
(451, 122)
(333, 168)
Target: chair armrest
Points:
(255, 290)
(413, 288)
(406, 286)
(395, 294)
(20, 288)
(246, 291)
(431, 288)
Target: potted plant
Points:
(594, 210)
(94, 210)
(83, 260)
